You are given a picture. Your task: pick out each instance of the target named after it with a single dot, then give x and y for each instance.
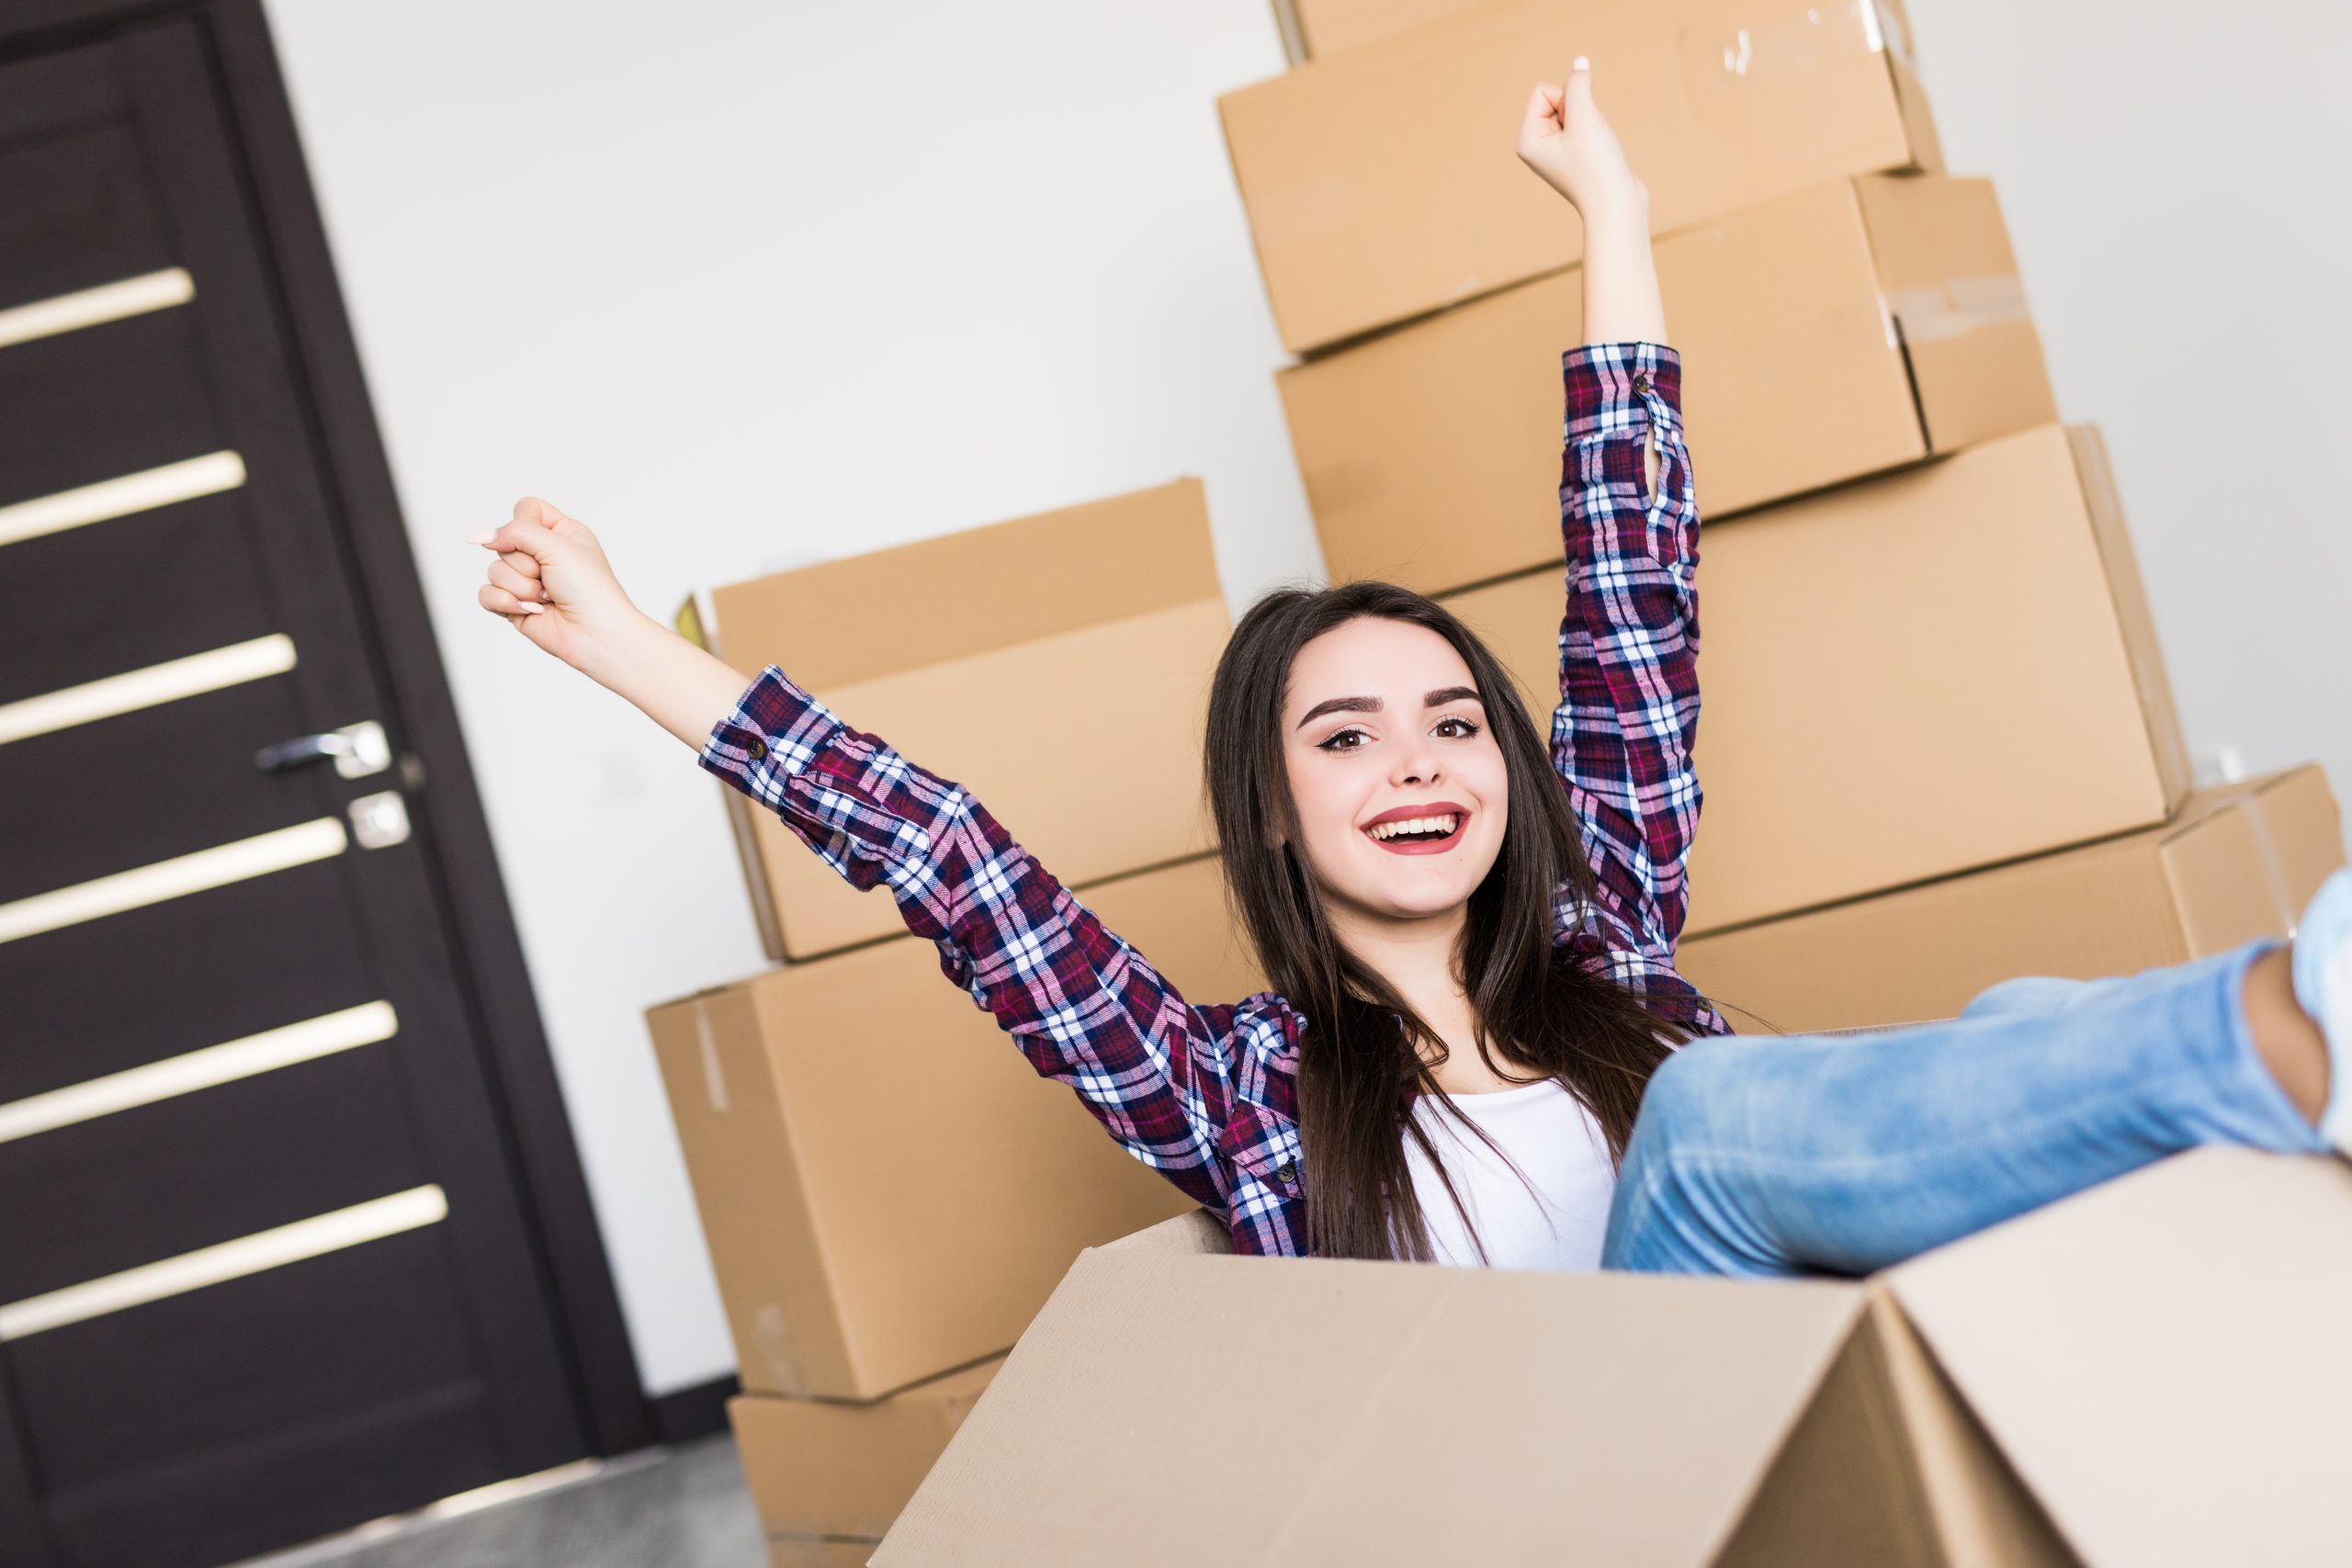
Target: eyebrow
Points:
(1438, 698)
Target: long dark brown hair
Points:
(1360, 1059)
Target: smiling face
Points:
(1397, 780)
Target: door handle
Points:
(358, 750)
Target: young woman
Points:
(1476, 1048)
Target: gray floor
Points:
(681, 1508)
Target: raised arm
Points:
(1083, 1006)
(1629, 691)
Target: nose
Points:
(1417, 763)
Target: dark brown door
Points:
(266, 1265)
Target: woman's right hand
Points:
(1564, 138)
(549, 580)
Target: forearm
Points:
(681, 687)
(1620, 295)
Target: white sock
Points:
(2322, 972)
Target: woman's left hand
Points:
(1564, 138)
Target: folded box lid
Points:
(1173, 1408)
(2166, 1359)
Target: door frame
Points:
(614, 1413)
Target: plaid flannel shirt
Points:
(1205, 1094)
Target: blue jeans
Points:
(1846, 1154)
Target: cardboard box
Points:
(810, 1552)
(821, 1468)
(2238, 863)
(1921, 674)
(2150, 1372)
(1333, 27)
(1854, 327)
(1382, 182)
(887, 1187)
(1114, 607)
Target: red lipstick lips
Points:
(1420, 846)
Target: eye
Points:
(1468, 728)
(1333, 743)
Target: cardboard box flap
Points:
(1196, 1232)
(2164, 1359)
(2246, 858)
(1523, 1414)
(973, 591)
(1951, 284)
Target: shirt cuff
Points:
(1613, 386)
(776, 725)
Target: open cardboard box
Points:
(2154, 1372)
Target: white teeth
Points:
(1416, 824)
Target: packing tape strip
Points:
(1823, 35)
(1957, 306)
(2274, 869)
(714, 1077)
(776, 1350)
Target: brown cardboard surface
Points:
(2236, 863)
(824, 1467)
(1334, 27)
(1114, 605)
(1381, 184)
(2165, 1357)
(889, 1188)
(1431, 454)
(2154, 1367)
(1368, 1383)
(1890, 696)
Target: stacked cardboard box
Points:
(889, 1190)
(1925, 647)
(1939, 750)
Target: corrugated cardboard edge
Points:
(2133, 615)
(1294, 34)
(1980, 1510)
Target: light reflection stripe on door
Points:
(313, 1237)
(192, 1070)
(156, 685)
(94, 307)
(142, 492)
(320, 839)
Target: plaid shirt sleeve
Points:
(1629, 643)
(1084, 1007)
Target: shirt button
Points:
(756, 750)
(1642, 383)
(1285, 1172)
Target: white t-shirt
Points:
(1554, 1140)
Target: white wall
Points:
(2174, 183)
(746, 285)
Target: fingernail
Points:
(1581, 64)
(531, 609)
(485, 537)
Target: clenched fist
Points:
(1564, 138)
(552, 581)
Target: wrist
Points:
(611, 654)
